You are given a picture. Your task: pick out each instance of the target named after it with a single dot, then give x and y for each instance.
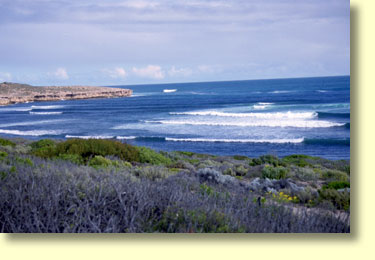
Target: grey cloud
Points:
(289, 36)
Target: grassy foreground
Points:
(109, 186)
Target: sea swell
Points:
(259, 123)
(274, 115)
(31, 132)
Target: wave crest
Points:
(45, 113)
(262, 123)
(275, 115)
(48, 107)
(31, 132)
(169, 90)
(90, 136)
(278, 141)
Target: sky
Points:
(120, 42)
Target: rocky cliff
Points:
(11, 93)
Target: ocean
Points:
(252, 118)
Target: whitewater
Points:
(254, 117)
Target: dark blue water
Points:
(281, 117)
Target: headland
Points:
(12, 93)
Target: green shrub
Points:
(190, 154)
(148, 155)
(206, 190)
(336, 185)
(99, 161)
(13, 169)
(270, 159)
(81, 151)
(341, 200)
(306, 174)
(3, 154)
(240, 157)
(307, 196)
(274, 172)
(240, 170)
(152, 172)
(91, 147)
(45, 152)
(208, 164)
(194, 221)
(334, 175)
(120, 164)
(229, 171)
(298, 160)
(6, 142)
(42, 144)
(74, 158)
(3, 175)
(255, 161)
(192, 161)
(26, 161)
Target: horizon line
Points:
(218, 81)
(188, 82)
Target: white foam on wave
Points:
(125, 137)
(31, 132)
(48, 107)
(17, 109)
(45, 113)
(90, 136)
(278, 141)
(199, 93)
(169, 90)
(322, 91)
(259, 123)
(280, 92)
(32, 123)
(275, 115)
(262, 105)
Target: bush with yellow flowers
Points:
(282, 197)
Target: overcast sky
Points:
(65, 42)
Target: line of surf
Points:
(270, 115)
(31, 132)
(48, 107)
(262, 123)
(89, 136)
(45, 113)
(169, 90)
(278, 141)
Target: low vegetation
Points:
(108, 186)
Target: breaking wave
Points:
(45, 113)
(126, 137)
(16, 109)
(262, 105)
(278, 141)
(261, 123)
(275, 115)
(90, 136)
(169, 90)
(280, 91)
(31, 132)
(48, 107)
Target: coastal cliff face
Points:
(11, 93)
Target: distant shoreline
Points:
(13, 93)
